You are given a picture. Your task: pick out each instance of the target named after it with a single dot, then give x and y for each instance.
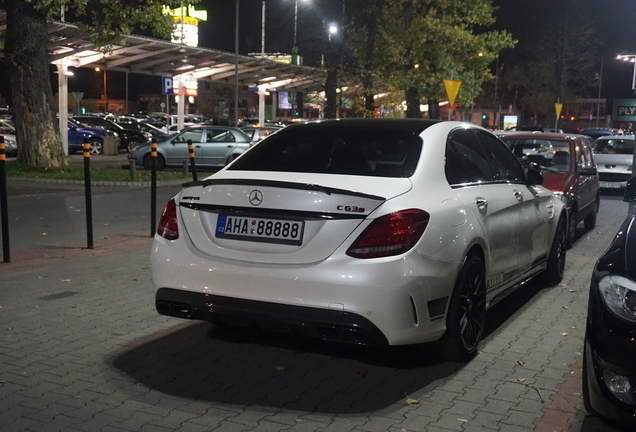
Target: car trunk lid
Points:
(293, 218)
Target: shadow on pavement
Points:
(237, 366)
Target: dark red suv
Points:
(569, 170)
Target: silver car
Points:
(214, 146)
(614, 156)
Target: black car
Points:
(128, 138)
(144, 127)
(609, 362)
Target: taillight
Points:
(390, 235)
(168, 227)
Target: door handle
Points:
(198, 146)
(518, 195)
(481, 202)
(230, 146)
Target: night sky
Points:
(522, 18)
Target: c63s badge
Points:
(352, 209)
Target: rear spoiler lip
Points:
(282, 184)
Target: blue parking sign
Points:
(166, 85)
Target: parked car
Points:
(570, 172)
(614, 158)
(609, 369)
(128, 138)
(214, 146)
(76, 134)
(156, 134)
(257, 133)
(595, 133)
(7, 131)
(366, 231)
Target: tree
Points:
(559, 62)
(419, 43)
(26, 59)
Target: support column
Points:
(181, 103)
(274, 106)
(261, 103)
(62, 91)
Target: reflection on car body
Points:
(365, 231)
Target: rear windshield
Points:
(353, 150)
(614, 146)
(552, 155)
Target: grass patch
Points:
(76, 172)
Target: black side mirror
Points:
(630, 191)
(588, 171)
(534, 174)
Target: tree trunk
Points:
(26, 56)
(433, 109)
(412, 103)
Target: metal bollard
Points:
(192, 163)
(87, 193)
(153, 188)
(4, 209)
(133, 170)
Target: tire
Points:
(132, 143)
(466, 313)
(590, 220)
(161, 163)
(571, 229)
(96, 146)
(553, 274)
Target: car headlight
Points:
(148, 136)
(619, 295)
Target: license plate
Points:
(610, 185)
(263, 230)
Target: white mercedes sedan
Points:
(365, 231)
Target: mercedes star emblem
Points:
(256, 197)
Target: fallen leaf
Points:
(298, 420)
(412, 401)
(1, 381)
(105, 224)
(463, 420)
(521, 379)
(571, 372)
(43, 234)
(521, 363)
(106, 237)
(281, 368)
(563, 334)
(9, 328)
(65, 280)
(564, 307)
(572, 290)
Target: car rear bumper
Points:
(397, 301)
(327, 324)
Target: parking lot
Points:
(83, 349)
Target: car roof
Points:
(411, 125)
(607, 137)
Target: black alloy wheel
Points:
(553, 274)
(571, 229)
(467, 312)
(132, 144)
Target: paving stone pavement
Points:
(82, 349)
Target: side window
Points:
(219, 135)
(466, 161)
(194, 135)
(507, 167)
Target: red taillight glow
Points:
(168, 227)
(390, 235)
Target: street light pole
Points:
(263, 33)
(598, 100)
